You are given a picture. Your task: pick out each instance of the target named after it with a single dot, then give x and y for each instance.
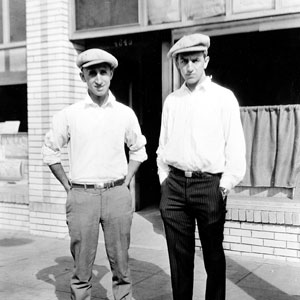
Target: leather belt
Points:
(193, 174)
(104, 185)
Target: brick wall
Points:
(263, 240)
(262, 227)
(14, 216)
(53, 83)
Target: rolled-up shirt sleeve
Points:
(55, 139)
(163, 169)
(135, 140)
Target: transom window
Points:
(12, 21)
(96, 14)
(12, 42)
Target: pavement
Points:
(39, 268)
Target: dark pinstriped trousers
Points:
(185, 200)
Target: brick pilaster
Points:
(53, 83)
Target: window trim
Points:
(5, 20)
(278, 11)
(13, 45)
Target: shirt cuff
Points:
(50, 157)
(162, 175)
(227, 182)
(139, 155)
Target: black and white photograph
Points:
(149, 149)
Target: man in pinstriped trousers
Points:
(201, 156)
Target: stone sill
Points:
(275, 211)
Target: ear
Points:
(206, 61)
(177, 63)
(111, 73)
(82, 76)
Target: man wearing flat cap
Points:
(95, 131)
(200, 158)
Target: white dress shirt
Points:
(95, 136)
(201, 131)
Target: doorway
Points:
(137, 83)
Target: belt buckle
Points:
(99, 186)
(105, 185)
(188, 174)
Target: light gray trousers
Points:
(86, 209)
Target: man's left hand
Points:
(224, 192)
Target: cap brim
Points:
(97, 62)
(190, 49)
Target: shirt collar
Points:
(202, 86)
(109, 103)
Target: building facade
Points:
(254, 51)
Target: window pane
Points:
(196, 9)
(13, 66)
(239, 6)
(103, 13)
(17, 60)
(163, 11)
(1, 23)
(2, 61)
(17, 20)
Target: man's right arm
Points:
(162, 167)
(59, 172)
(55, 139)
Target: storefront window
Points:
(13, 104)
(97, 14)
(17, 19)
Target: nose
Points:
(98, 77)
(189, 65)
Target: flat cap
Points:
(95, 56)
(190, 43)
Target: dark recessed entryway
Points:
(261, 68)
(137, 83)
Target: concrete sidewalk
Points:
(38, 268)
